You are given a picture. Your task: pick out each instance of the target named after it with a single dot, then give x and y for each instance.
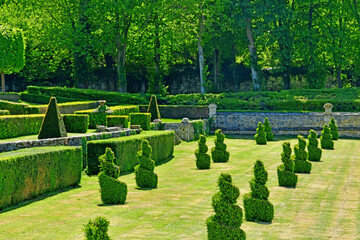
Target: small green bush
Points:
(260, 136)
(334, 129)
(154, 108)
(226, 222)
(301, 165)
(75, 123)
(115, 121)
(202, 158)
(219, 153)
(326, 138)
(286, 175)
(142, 119)
(314, 151)
(144, 172)
(4, 112)
(97, 229)
(269, 134)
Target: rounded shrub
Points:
(111, 189)
(219, 153)
(314, 151)
(269, 134)
(226, 222)
(286, 175)
(202, 158)
(97, 229)
(326, 138)
(301, 156)
(334, 129)
(260, 136)
(144, 172)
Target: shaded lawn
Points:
(325, 205)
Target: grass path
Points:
(325, 205)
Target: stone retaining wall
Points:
(184, 130)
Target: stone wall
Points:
(184, 130)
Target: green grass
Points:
(325, 205)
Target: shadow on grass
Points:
(109, 205)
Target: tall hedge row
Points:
(27, 173)
(18, 108)
(20, 125)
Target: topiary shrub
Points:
(269, 134)
(142, 119)
(300, 158)
(334, 129)
(286, 175)
(75, 123)
(97, 229)
(314, 151)
(154, 108)
(112, 190)
(219, 153)
(115, 121)
(144, 172)
(202, 158)
(256, 204)
(260, 136)
(326, 138)
(226, 222)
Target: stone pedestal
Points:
(212, 110)
(328, 112)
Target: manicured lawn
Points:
(325, 205)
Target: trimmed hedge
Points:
(70, 107)
(269, 134)
(4, 112)
(43, 99)
(326, 141)
(301, 156)
(202, 158)
(20, 125)
(97, 229)
(126, 148)
(114, 121)
(334, 129)
(144, 171)
(76, 123)
(27, 173)
(219, 153)
(260, 136)
(314, 151)
(285, 172)
(142, 119)
(179, 112)
(18, 108)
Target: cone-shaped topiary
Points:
(219, 153)
(53, 125)
(260, 137)
(300, 158)
(269, 134)
(314, 151)
(226, 222)
(144, 172)
(326, 138)
(202, 158)
(256, 204)
(285, 171)
(112, 190)
(97, 230)
(334, 129)
(154, 108)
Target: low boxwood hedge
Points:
(114, 121)
(18, 108)
(76, 123)
(20, 125)
(43, 99)
(142, 119)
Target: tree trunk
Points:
(338, 77)
(121, 53)
(2, 82)
(201, 54)
(255, 76)
(236, 85)
(217, 69)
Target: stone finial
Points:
(328, 108)
(102, 102)
(185, 120)
(157, 121)
(212, 109)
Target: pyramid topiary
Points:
(314, 151)
(300, 158)
(219, 153)
(260, 137)
(334, 129)
(53, 125)
(112, 190)
(154, 108)
(202, 158)
(226, 222)
(256, 204)
(285, 171)
(326, 138)
(97, 230)
(269, 134)
(144, 172)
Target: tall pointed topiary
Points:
(300, 158)
(269, 134)
(256, 204)
(314, 151)
(260, 136)
(154, 108)
(226, 222)
(202, 158)
(97, 229)
(111, 189)
(286, 175)
(326, 138)
(219, 153)
(144, 172)
(334, 129)
(53, 125)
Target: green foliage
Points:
(228, 216)
(286, 175)
(142, 119)
(326, 138)
(43, 99)
(219, 153)
(115, 121)
(314, 151)
(75, 123)
(198, 126)
(154, 108)
(144, 172)
(301, 156)
(18, 108)
(260, 136)
(4, 112)
(53, 124)
(269, 134)
(20, 125)
(202, 158)
(27, 173)
(97, 229)
(334, 129)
